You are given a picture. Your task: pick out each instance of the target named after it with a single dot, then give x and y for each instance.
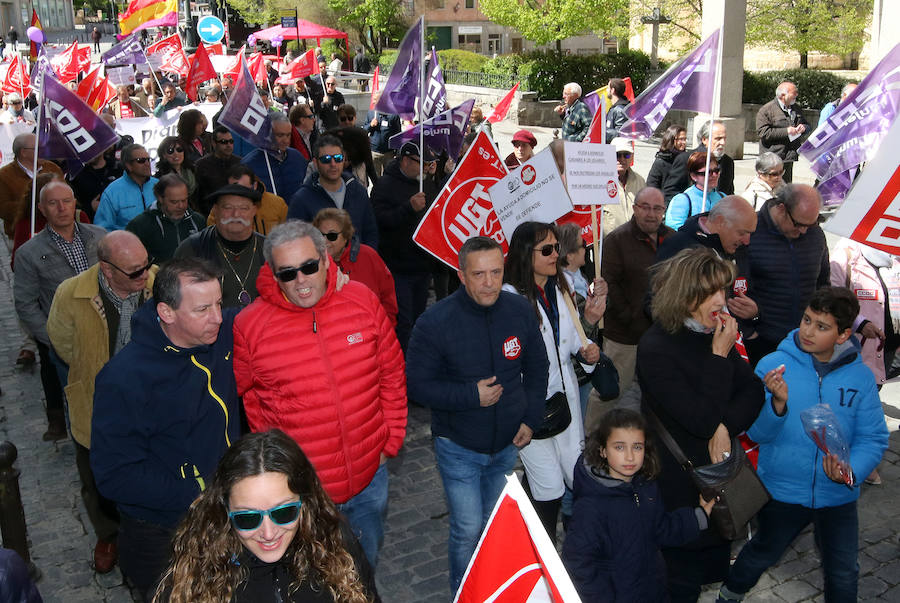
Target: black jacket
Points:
(692, 390)
(311, 197)
(397, 220)
(457, 343)
(678, 179)
(660, 168)
(616, 118)
(783, 274)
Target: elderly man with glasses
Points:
(89, 322)
(129, 195)
(281, 170)
(330, 104)
(16, 177)
(324, 366)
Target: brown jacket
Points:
(627, 253)
(14, 182)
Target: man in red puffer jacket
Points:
(325, 367)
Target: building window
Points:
(470, 42)
(470, 3)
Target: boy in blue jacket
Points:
(818, 363)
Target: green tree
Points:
(375, 22)
(547, 21)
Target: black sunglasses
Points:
(174, 149)
(281, 515)
(226, 141)
(140, 159)
(548, 249)
(331, 236)
(712, 171)
(339, 157)
(137, 273)
(286, 275)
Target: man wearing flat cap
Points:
(231, 243)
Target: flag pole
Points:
(269, 167)
(37, 134)
(717, 91)
(421, 99)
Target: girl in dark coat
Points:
(701, 390)
(674, 142)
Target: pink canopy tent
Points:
(304, 30)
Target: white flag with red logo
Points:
(515, 562)
(173, 58)
(463, 209)
(870, 213)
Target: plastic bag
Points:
(822, 426)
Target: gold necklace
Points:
(243, 297)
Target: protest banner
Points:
(149, 131)
(463, 208)
(121, 76)
(591, 173)
(532, 192)
(435, 99)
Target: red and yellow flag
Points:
(142, 14)
(35, 22)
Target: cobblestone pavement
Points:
(413, 562)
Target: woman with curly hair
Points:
(171, 158)
(192, 133)
(265, 530)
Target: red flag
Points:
(71, 61)
(303, 66)
(86, 85)
(216, 48)
(173, 57)
(101, 94)
(597, 131)
(502, 108)
(463, 209)
(515, 562)
(257, 67)
(376, 86)
(234, 69)
(16, 79)
(201, 70)
(629, 90)
(35, 22)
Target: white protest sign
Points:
(532, 192)
(221, 62)
(8, 131)
(121, 76)
(149, 132)
(591, 173)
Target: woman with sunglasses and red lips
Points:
(265, 530)
(690, 202)
(171, 159)
(533, 269)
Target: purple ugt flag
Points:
(853, 133)
(402, 86)
(443, 132)
(688, 85)
(245, 114)
(435, 92)
(126, 52)
(69, 129)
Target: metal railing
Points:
(485, 80)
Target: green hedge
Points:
(453, 59)
(817, 88)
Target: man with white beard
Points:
(678, 178)
(231, 243)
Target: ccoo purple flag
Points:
(126, 52)
(443, 132)
(688, 85)
(402, 86)
(853, 133)
(435, 91)
(245, 114)
(69, 129)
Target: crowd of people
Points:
(232, 341)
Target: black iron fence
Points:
(485, 80)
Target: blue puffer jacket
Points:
(783, 274)
(790, 464)
(457, 343)
(311, 197)
(612, 546)
(690, 203)
(163, 417)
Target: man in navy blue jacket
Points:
(165, 411)
(478, 360)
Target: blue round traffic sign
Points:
(211, 29)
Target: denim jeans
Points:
(472, 484)
(837, 534)
(366, 512)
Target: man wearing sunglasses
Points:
(286, 165)
(329, 187)
(629, 184)
(787, 260)
(211, 170)
(63, 249)
(90, 321)
(129, 195)
(165, 411)
(324, 366)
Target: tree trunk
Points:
(804, 60)
(559, 47)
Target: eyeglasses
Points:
(225, 141)
(306, 116)
(339, 157)
(795, 222)
(281, 515)
(15, 102)
(657, 209)
(712, 171)
(779, 174)
(331, 236)
(137, 273)
(548, 249)
(174, 149)
(286, 275)
(140, 159)
(624, 155)
(346, 118)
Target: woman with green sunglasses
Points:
(265, 530)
